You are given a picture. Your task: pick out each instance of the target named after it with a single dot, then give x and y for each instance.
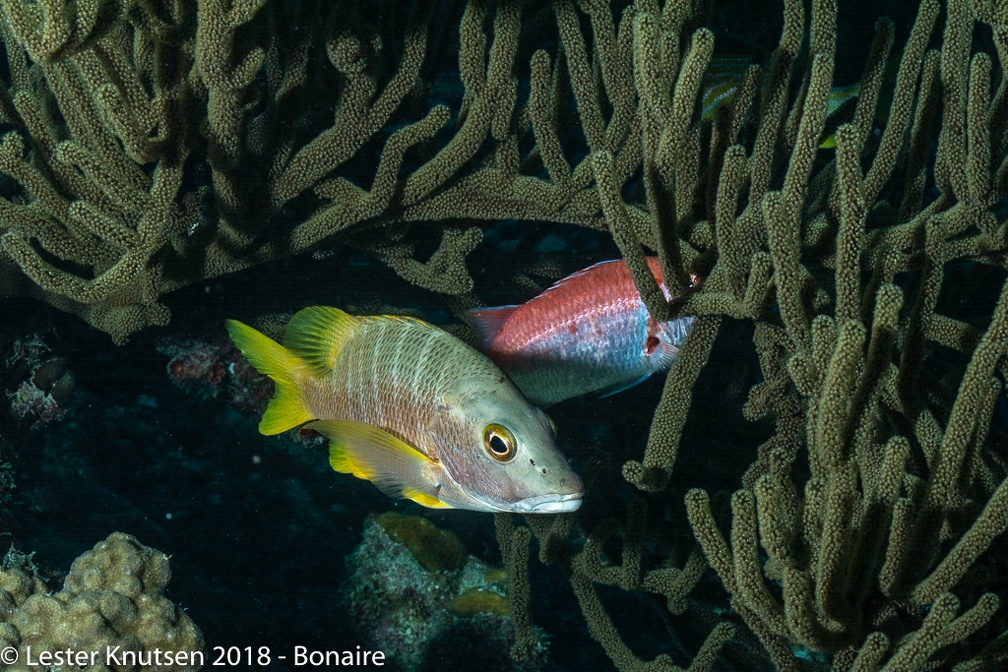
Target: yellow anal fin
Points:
(287, 408)
(368, 452)
(423, 499)
(341, 462)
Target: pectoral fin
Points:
(395, 467)
(619, 387)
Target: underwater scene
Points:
(500, 335)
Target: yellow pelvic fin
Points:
(423, 499)
(287, 408)
(316, 335)
(395, 467)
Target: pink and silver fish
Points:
(589, 332)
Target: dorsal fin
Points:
(573, 277)
(316, 335)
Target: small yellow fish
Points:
(412, 409)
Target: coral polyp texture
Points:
(869, 524)
(111, 610)
(851, 327)
(151, 149)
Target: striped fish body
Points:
(394, 374)
(412, 409)
(725, 74)
(588, 333)
(720, 83)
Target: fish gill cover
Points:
(823, 482)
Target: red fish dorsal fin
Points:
(618, 272)
(578, 275)
(488, 322)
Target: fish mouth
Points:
(549, 503)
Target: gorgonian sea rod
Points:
(834, 335)
(871, 519)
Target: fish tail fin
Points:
(674, 334)
(488, 322)
(287, 407)
(317, 334)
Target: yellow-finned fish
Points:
(412, 409)
(725, 73)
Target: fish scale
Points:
(588, 333)
(412, 409)
(382, 353)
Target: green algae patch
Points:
(435, 549)
(479, 601)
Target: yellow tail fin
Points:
(287, 408)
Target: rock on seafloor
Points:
(452, 618)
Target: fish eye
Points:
(499, 441)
